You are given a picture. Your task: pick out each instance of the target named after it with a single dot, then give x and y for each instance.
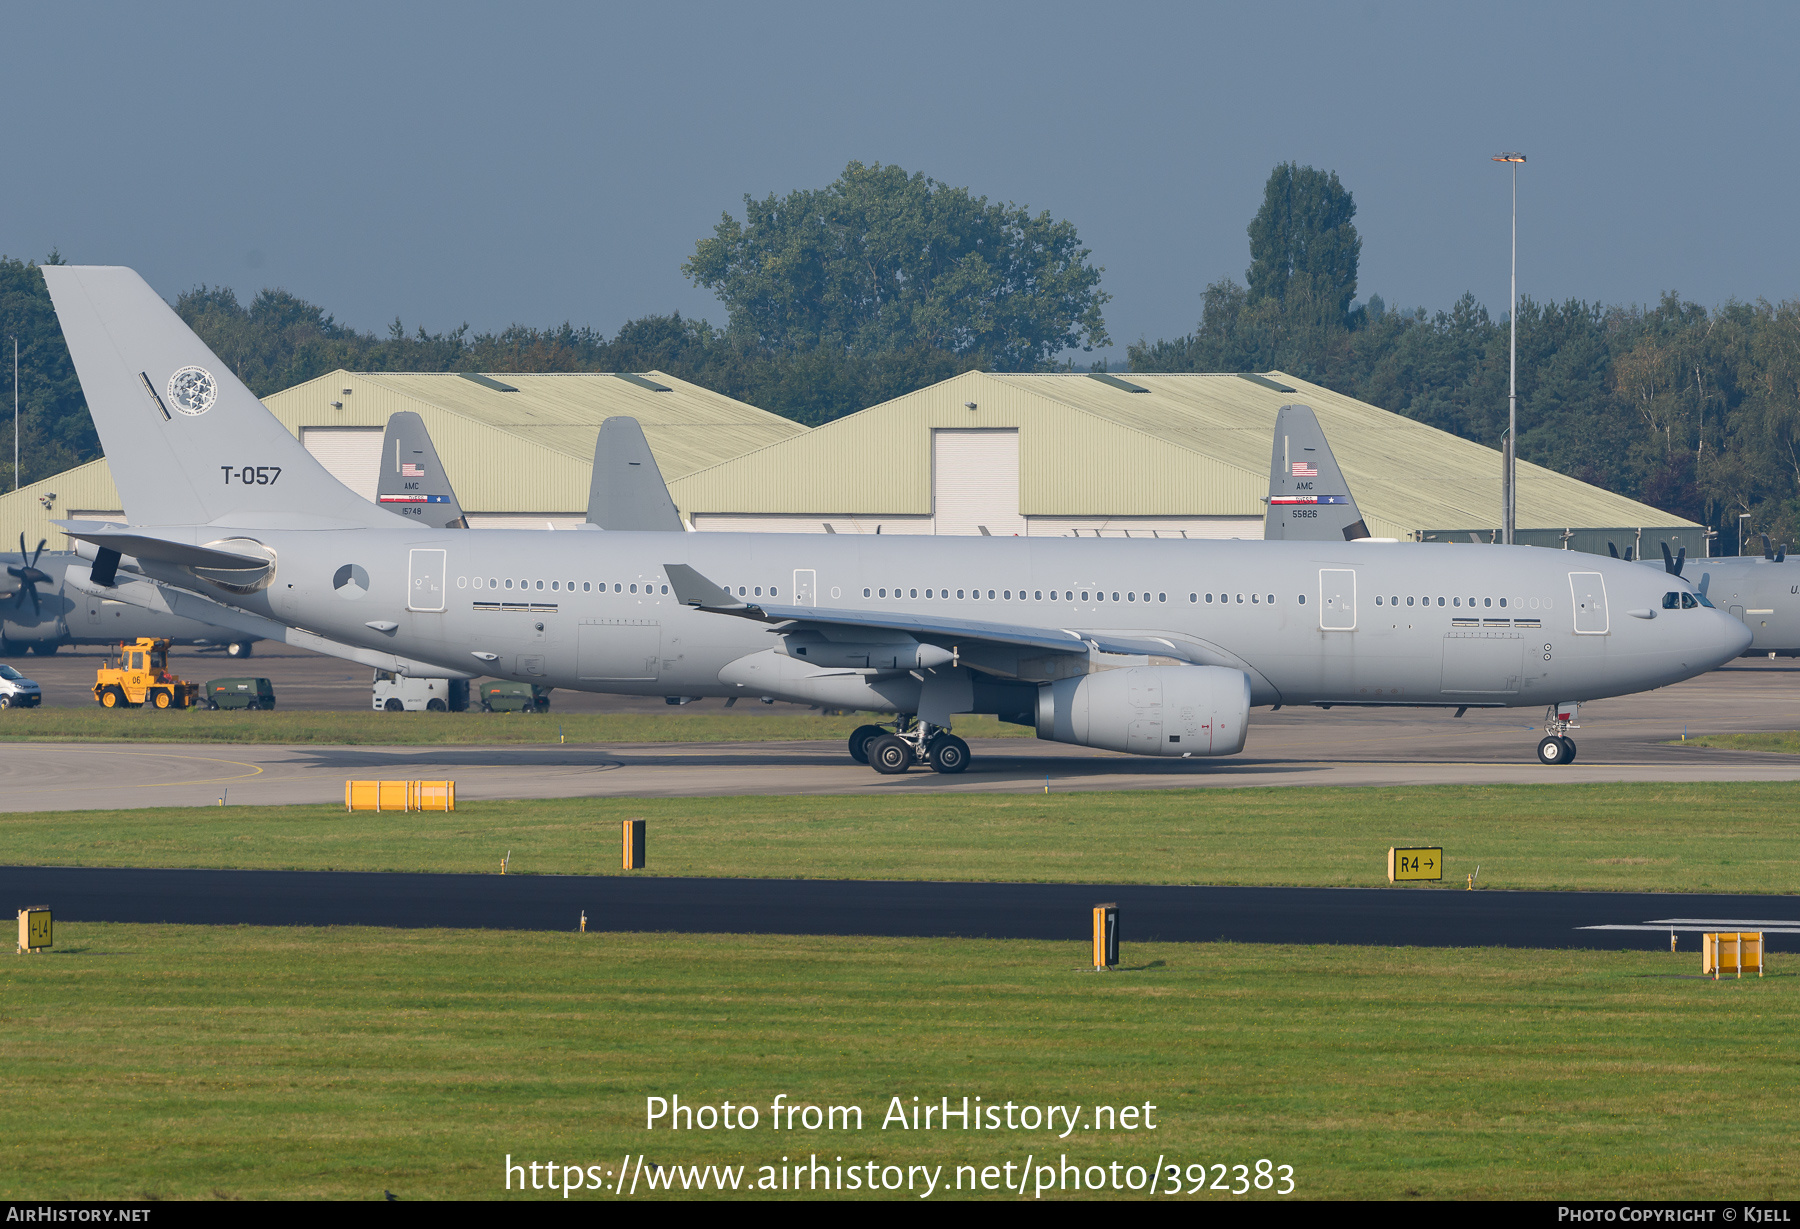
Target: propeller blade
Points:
(22, 551)
(1768, 551)
(1628, 551)
(1612, 550)
(38, 552)
(1680, 560)
(1669, 565)
(36, 609)
(1781, 552)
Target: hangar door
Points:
(975, 482)
(352, 455)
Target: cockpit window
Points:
(1688, 602)
(1672, 600)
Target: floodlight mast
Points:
(1509, 456)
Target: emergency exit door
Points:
(425, 580)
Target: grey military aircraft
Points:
(1310, 500)
(40, 612)
(1156, 647)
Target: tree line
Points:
(882, 282)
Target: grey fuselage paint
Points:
(1331, 635)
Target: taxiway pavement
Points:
(1387, 917)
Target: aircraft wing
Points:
(693, 589)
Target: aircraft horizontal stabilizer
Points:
(166, 599)
(145, 545)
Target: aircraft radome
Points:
(1156, 647)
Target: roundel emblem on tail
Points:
(193, 390)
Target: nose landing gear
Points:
(912, 740)
(1558, 747)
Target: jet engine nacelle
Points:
(902, 653)
(1150, 710)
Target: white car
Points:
(17, 691)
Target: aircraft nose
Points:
(1731, 636)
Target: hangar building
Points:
(519, 449)
(1168, 455)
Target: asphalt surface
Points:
(1633, 738)
(1408, 917)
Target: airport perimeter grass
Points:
(240, 1062)
(440, 729)
(1785, 741)
(1698, 837)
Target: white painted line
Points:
(1767, 930)
(1726, 923)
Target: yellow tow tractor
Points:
(141, 676)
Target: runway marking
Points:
(255, 770)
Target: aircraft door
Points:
(1588, 591)
(425, 587)
(1337, 600)
(1737, 612)
(806, 587)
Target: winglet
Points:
(1308, 497)
(413, 482)
(627, 490)
(693, 589)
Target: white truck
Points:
(397, 693)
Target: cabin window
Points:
(959, 593)
(509, 583)
(1195, 597)
(1409, 601)
(1008, 594)
(553, 584)
(1115, 597)
(1303, 599)
(1240, 600)
(634, 588)
(1503, 603)
(618, 588)
(1378, 600)
(665, 589)
(1131, 597)
(1271, 599)
(1487, 601)
(990, 595)
(759, 591)
(1253, 599)
(587, 586)
(1084, 595)
(1209, 598)
(1162, 597)
(1456, 601)
(1037, 595)
(1440, 601)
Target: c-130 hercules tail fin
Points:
(1309, 501)
(413, 482)
(187, 442)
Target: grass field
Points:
(439, 729)
(1786, 741)
(1703, 837)
(235, 1062)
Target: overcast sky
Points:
(548, 162)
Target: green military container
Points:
(240, 693)
(514, 698)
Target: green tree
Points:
(1303, 247)
(881, 261)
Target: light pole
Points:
(1509, 480)
(15, 411)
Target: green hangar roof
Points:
(1139, 446)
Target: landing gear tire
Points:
(1570, 744)
(889, 755)
(1554, 750)
(860, 738)
(948, 754)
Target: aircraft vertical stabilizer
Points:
(413, 482)
(628, 491)
(188, 442)
(1309, 501)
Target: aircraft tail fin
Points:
(1309, 501)
(413, 482)
(187, 442)
(628, 491)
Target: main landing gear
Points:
(912, 740)
(1558, 747)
